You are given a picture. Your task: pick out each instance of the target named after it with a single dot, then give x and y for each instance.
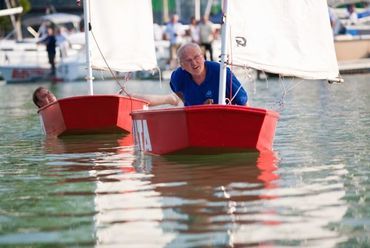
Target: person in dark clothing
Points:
(50, 42)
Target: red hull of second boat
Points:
(205, 129)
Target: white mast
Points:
(15, 21)
(224, 55)
(207, 11)
(11, 11)
(89, 77)
(197, 9)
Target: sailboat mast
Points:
(197, 9)
(89, 77)
(224, 55)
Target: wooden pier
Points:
(354, 66)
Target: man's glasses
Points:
(196, 58)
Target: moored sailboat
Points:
(24, 59)
(118, 46)
(298, 43)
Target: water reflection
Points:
(196, 201)
(87, 143)
(95, 191)
(202, 196)
(173, 200)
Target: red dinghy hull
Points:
(204, 129)
(92, 114)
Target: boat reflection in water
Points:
(155, 201)
(192, 201)
(87, 143)
(91, 154)
(204, 198)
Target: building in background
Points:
(162, 9)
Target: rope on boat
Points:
(236, 93)
(285, 90)
(127, 77)
(122, 88)
(231, 73)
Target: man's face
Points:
(45, 97)
(192, 61)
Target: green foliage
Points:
(26, 5)
(5, 25)
(158, 5)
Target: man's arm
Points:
(155, 100)
(181, 96)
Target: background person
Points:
(352, 14)
(174, 32)
(194, 30)
(50, 42)
(206, 36)
(62, 42)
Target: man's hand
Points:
(208, 101)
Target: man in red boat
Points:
(197, 80)
(42, 97)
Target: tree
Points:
(16, 19)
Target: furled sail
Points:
(123, 30)
(287, 37)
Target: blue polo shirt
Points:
(194, 94)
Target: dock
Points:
(354, 66)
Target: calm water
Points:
(95, 191)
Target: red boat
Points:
(225, 128)
(90, 114)
(204, 129)
(97, 114)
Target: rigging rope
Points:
(231, 69)
(122, 88)
(285, 90)
(127, 75)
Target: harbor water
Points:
(86, 191)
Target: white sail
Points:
(287, 37)
(124, 33)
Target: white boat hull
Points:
(18, 73)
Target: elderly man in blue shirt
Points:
(197, 80)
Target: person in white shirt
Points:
(174, 32)
(62, 43)
(206, 36)
(352, 14)
(194, 30)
